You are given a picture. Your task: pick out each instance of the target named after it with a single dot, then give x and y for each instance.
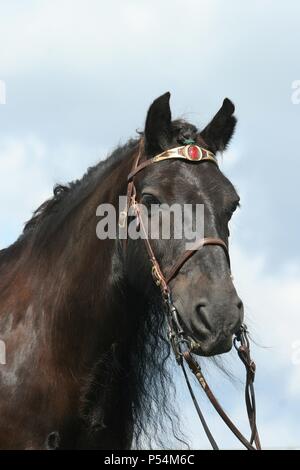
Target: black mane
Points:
(67, 197)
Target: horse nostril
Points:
(240, 307)
(235, 326)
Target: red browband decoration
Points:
(191, 152)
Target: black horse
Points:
(86, 350)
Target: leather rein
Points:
(182, 345)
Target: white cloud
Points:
(28, 171)
(88, 33)
(272, 303)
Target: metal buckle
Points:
(174, 346)
(156, 276)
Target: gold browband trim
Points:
(192, 153)
(183, 152)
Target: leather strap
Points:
(177, 153)
(195, 368)
(199, 412)
(157, 273)
(187, 254)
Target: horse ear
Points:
(158, 125)
(219, 131)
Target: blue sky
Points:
(79, 78)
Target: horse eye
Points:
(148, 200)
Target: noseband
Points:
(182, 345)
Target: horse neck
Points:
(84, 290)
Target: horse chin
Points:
(201, 349)
(196, 347)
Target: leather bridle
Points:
(182, 345)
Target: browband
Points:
(190, 153)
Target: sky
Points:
(79, 77)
